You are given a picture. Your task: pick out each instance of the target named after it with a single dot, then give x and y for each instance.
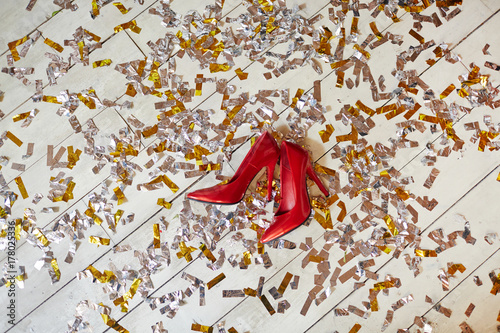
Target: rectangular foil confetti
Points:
(201, 328)
(156, 236)
(99, 240)
(215, 280)
(21, 187)
(54, 45)
(268, 305)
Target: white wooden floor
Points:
(86, 258)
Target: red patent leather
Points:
(294, 208)
(263, 154)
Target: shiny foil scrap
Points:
(99, 240)
(241, 74)
(113, 324)
(121, 7)
(132, 26)
(101, 63)
(326, 133)
(156, 236)
(21, 187)
(54, 45)
(207, 253)
(201, 328)
(267, 305)
(215, 281)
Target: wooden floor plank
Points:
(460, 188)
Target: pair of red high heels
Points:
(294, 208)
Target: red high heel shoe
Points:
(294, 208)
(263, 154)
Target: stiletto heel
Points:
(294, 208)
(270, 176)
(263, 154)
(315, 178)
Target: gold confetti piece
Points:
(209, 167)
(54, 45)
(498, 177)
(374, 305)
(118, 216)
(149, 131)
(355, 328)
(131, 90)
(340, 79)
(447, 91)
(374, 28)
(170, 184)
(95, 9)
(214, 68)
(41, 237)
(208, 254)
(123, 300)
(94, 37)
(215, 280)
(199, 84)
(250, 292)
(98, 240)
(417, 36)
(448, 3)
(390, 224)
(17, 231)
(164, 203)
(185, 251)
(364, 108)
(21, 187)
(383, 285)
(132, 26)
(50, 99)
(73, 156)
(14, 138)
(101, 63)
(268, 305)
(113, 324)
(365, 53)
(326, 133)
(101, 277)
(55, 267)
(12, 47)
(232, 330)
(119, 195)
(339, 64)
(453, 268)
(402, 194)
(156, 236)
(90, 212)
(121, 7)
(241, 74)
(343, 211)
(201, 328)
(284, 283)
(247, 257)
(298, 94)
(425, 253)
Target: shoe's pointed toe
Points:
(198, 195)
(263, 154)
